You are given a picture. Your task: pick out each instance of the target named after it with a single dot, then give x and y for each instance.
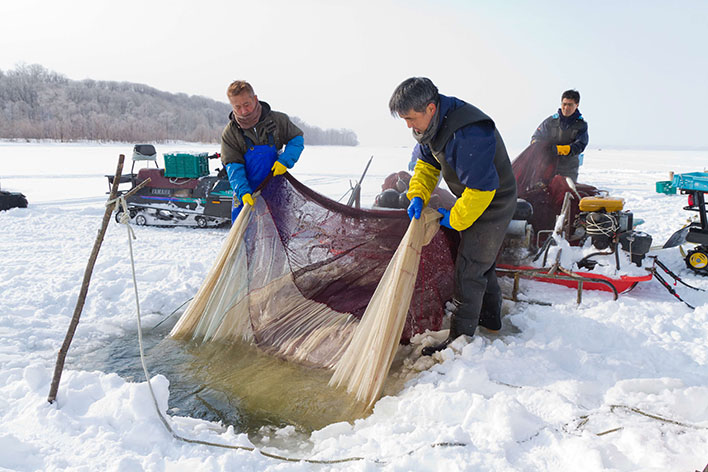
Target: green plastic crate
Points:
(186, 165)
(665, 186)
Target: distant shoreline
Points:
(169, 143)
(24, 141)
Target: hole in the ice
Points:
(274, 401)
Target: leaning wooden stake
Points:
(85, 285)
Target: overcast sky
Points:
(641, 67)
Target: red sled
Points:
(579, 280)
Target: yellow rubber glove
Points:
(563, 150)
(469, 207)
(423, 182)
(279, 168)
(247, 198)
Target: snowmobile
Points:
(181, 194)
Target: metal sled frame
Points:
(562, 276)
(556, 273)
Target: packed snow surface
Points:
(603, 385)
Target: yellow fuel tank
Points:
(609, 204)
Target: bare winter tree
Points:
(36, 103)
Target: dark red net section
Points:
(538, 184)
(534, 168)
(336, 255)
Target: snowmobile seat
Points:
(144, 152)
(158, 179)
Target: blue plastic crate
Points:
(691, 181)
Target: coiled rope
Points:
(601, 224)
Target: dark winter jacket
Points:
(233, 144)
(560, 130)
(557, 129)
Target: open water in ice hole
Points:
(236, 385)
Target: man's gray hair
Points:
(413, 94)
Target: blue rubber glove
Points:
(415, 207)
(445, 221)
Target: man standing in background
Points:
(567, 132)
(251, 143)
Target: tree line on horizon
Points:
(36, 103)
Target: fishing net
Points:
(534, 168)
(298, 271)
(365, 363)
(538, 184)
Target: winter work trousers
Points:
(475, 269)
(568, 166)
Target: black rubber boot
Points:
(458, 326)
(430, 350)
(490, 316)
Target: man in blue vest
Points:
(567, 132)
(252, 143)
(460, 142)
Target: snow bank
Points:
(605, 385)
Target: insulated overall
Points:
(259, 162)
(477, 295)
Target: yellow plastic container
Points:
(608, 204)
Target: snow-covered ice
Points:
(604, 385)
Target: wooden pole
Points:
(85, 285)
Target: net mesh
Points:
(365, 363)
(538, 184)
(297, 273)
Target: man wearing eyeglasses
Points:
(567, 132)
